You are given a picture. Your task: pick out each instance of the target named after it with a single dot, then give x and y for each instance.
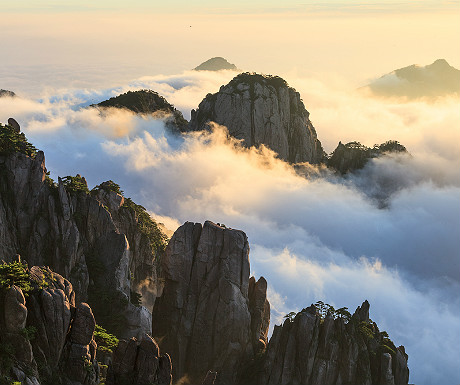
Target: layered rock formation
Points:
(45, 336)
(262, 110)
(210, 315)
(354, 156)
(147, 102)
(106, 245)
(325, 351)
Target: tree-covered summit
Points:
(145, 102)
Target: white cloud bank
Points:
(322, 238)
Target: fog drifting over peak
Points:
(322, 238)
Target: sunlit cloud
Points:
(312, 238)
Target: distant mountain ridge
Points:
(216, 64)
(415, 82)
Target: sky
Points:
(317, 238)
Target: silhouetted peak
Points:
(216, 64)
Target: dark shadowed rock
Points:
(259, 308)
(56, 342)
(105, 244)
(140, 363)
(15, 310)
(83, 325)
(148, 102)
(204, 310)
(6, 93)
(210, 378)
(354, 156)
(13, 123)
(311, 349)
(262, 110)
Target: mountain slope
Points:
(414, 82)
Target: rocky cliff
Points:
(45, 337)
(354, 156)
(262, 110)
(210, 315)
(323, 349)
(105, 244)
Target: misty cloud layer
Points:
(313, 239)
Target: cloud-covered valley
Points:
(316, 238)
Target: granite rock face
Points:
(94, 238)
(51, 337)
(262, 110)
(206, 318)
(139, 362)
(325, 351)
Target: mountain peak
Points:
(216, 64)
(419, 82)
(262, 110)
(440, 63)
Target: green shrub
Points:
(110, 185)
(12, 141)
(106, 342)
(75, 184)
(147, 226)
(15, 273)
(366, 329)
(29, 332)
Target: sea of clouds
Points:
(317, 238)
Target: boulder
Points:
(13, 123)
(139, 362)
(15, 310)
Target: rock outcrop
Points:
(139, 363)
(316, 350)
(210, 315)
(45, 336)
(262, 110)
(7, 93)
(354, 156)
(150, 103)
(216, 64)
(105, 244)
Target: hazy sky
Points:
(89, 43)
